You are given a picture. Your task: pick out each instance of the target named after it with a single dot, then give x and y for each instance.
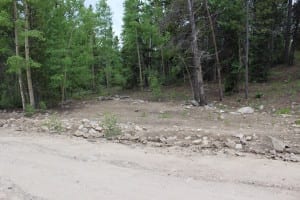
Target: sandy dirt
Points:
(36, 166)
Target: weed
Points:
(283, 111)
(297, 122)
(54, 124)
(110, 126)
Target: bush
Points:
(29, 110)
(43, 106)
(110, 126)
(54, 124)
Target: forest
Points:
(52, 51)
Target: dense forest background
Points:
(51, 51)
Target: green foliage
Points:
(42, 106)
(110, 126)
(15, 63)
(29, 110)
(74, 51)
(297, 122)
(233, 78)
(258, 95)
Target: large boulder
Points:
(246, 110)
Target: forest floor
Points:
(173, 150)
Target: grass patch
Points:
(283, 111)
(297, 122)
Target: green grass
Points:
(283, 111)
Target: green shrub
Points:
(155, 86)
(43, 106)
(110, 126)
(258, 95)
(29, 110)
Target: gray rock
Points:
(78, 133)
(92, 132)
(99, 128)
(273, 152)
(205, 142)
(44, 129)
(230, 143)
(246, 110)
(278, 145)
(197, 142)
(194, 103)
(188, 137)
(84, 130)
(248, 138)
(238, 146)
(80, 127)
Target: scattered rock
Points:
(246, 110)
(261, 107)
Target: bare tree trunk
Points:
(199, 93)
(93, 65)
(247, 52)
(27, 58)
(295, 33)
(288, 32)
(17, 54)
(139, 60)
(216, 52)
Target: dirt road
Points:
(58, 167)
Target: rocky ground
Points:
(213, 129)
